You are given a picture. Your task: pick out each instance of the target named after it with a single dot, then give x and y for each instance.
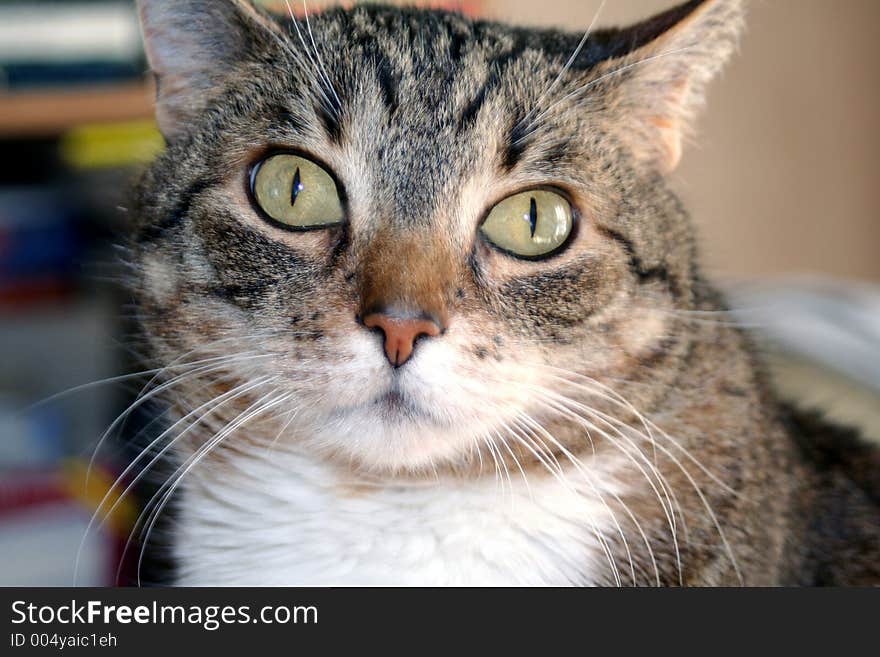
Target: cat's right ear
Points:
(190, 45)
(657, 77)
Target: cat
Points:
(428, 313)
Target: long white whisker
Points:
(618, 71)
(527, 119)
(650, 426)
(518, 464)
(291, 417)
(541, 452)
(321, 68)
(697, 489)
(137, 403)
(586, 477)
(667, 511)
(708, 507)
(498, 479)
(114, 379)
(668, 506)
(146, 512)
(215, 404)
(327, 102)
(499, 461)
(261, 407)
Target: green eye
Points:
(296, 192)
(531, 224)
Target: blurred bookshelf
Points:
(51, 112)
(75, 128)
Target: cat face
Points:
(407, 231)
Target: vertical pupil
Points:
(533, 216)
(297, 188)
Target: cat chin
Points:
(392, 435)
(410, 419)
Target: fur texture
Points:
(582, 420)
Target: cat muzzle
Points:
(401, 334)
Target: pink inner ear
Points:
(669, 127)
(669, 76)
(669, 133)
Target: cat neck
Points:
(290, 519)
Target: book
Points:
(53, 43)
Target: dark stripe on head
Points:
(248, 266)
(459, 39)
(469, 115)
(517, 143)
(330, 120)
(389, 83)
(241, 295)
(283, 116)
(155, 231)
(559, 154)
(637, 266)
(497, 67)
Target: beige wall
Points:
(784, 174)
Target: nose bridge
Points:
(407, 274)
(406, 281)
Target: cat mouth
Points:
(395, 405)
(394, 400)
(398, 405)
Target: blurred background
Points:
(782, 181)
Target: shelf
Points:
(49, 113)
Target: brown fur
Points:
(428, 120)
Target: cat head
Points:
(411, 233)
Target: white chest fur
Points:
(287, 521)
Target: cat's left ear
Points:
(656, 86)
(191, 46)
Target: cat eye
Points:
(530, 225)
(296, 192)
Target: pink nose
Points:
(401, 334)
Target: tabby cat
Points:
(429, 314)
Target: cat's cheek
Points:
(158, 280)
(467, 372)
(339, 372)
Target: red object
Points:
(18, 294)
(23, 491)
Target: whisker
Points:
(137, 403)
(258, 408)
(161, 489)
(493, 448)
(588, 480)
(328, 104)
(291, 417)
(618, 71)
(697, 489)
(321, 69)
(216, 403)
(668, 512)
(527, 119)
(122, 378)
(518, 464)
(708, 508)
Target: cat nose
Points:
(401, 333)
